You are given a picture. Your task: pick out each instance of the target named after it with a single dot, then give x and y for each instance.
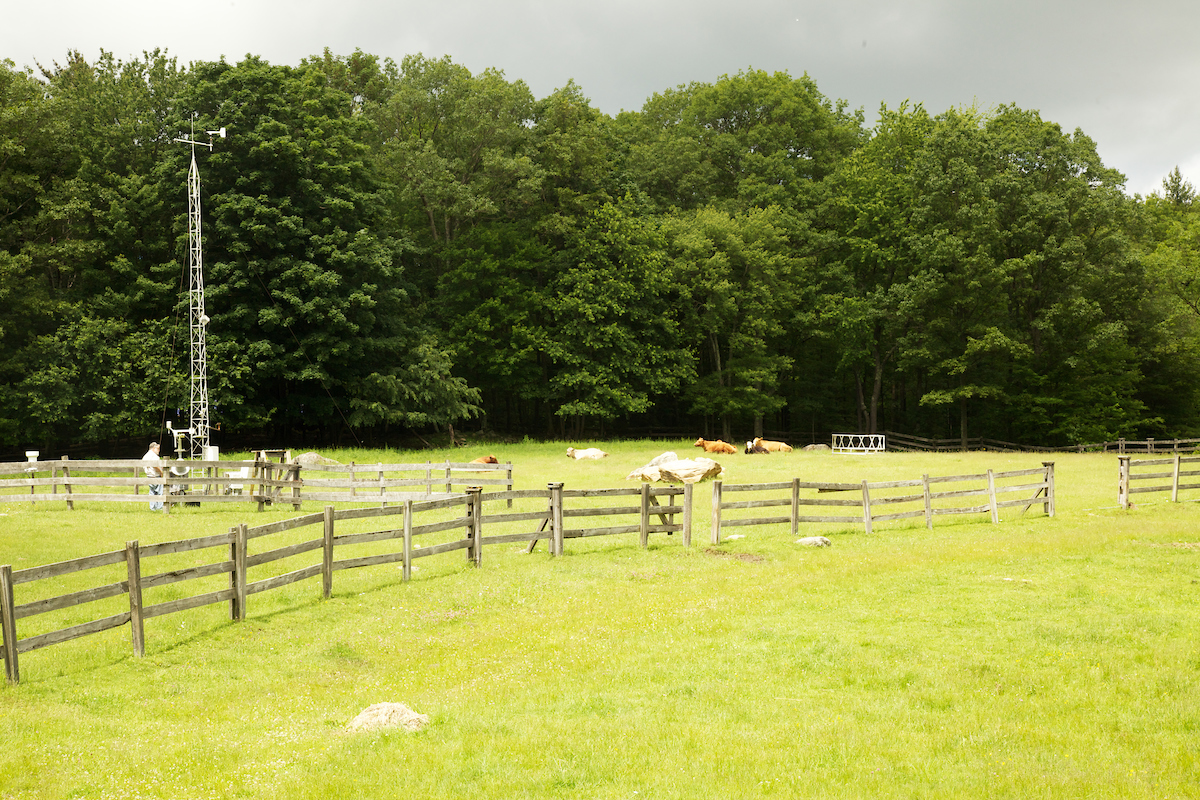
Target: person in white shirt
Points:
(154, 471)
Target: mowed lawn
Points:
(1037, 657)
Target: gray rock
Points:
(814, 541)
(312, 457)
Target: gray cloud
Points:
(1124, 73)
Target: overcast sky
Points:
(1126, 73)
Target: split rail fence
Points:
(928, 497)
(1173, 480)
(260, 482)
(141, 582)
(76, 598)
(904, 442)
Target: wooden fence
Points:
(1172, 480)
(141, 582)
(111, 590)
(904, 442)
(889, 500)
(261, 482)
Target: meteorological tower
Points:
(197, 319)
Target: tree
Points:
(751, 139)
(611, 338)
(877, 283)
(311, 320)
(738, 282)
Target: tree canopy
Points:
(395, 247)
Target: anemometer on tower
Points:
(198, 320)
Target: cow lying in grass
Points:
(753, 448)
(591, 452)
(716, 446)
(485, 460)
(773, 447)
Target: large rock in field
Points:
(388, 715)
(684, 470)
(312, 458)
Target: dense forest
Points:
(390, 249)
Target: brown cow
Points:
(715, 447)
(773, 447)
(484, 460)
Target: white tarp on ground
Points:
(686, 470)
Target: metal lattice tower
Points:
(197, 318)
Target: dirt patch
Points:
(1180, 545)
(751, 557)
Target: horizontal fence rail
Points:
(140, 582)
(1172, 475)
(259, 482)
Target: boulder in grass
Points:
(388, 715)
(313, 458)
(814, 541)
(685, 470)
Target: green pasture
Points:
(1037, 657)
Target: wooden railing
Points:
(140, 582)
(1174, 479)
(261, 482)
(908, 443)
(885, 501)
(248, 560)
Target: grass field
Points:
(1034, 658)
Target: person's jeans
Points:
(156, 489)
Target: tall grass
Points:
(1034, 658)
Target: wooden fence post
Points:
(67, 481)
(556, 518)
(407, 571)
(992, 496)
(1175, 481)
(262, 471)
(238, 577)
(475, 510)
(428, 478)
(508, 473)
(795, 506)
(1123, 481)
(327, 555)
(928, 501)
(716, 512)
(294, 475)
(8, 624)
(866, 500)
(448, 482)
(687, 514)
(1048, 506)
(644, 520)
(133, 568)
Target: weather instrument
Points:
(198, 428)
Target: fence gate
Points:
(859, 442)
